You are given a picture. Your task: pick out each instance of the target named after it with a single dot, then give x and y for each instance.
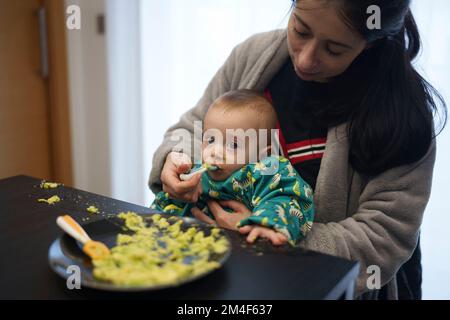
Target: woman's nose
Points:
(307, 60)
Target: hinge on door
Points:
(43, 42)
(101, 24)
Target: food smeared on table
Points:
(49, 185)
(92, 209)
(161, 253)
(51, 200)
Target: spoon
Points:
(94, 249)
(203, 168)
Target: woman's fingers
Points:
(181, 160)
(225, 219)
(194, 194)
(232, 219)
(182, 190)
(181, 187)
(187, 197)
(217, 211)
(240, 210)
(200, 215)
(215, 207)
(177, 163)
(173, 167)
(220, 215)
(234, 205)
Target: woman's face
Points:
(320, 44)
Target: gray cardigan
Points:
(374, 221)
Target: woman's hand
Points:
(254, 232)
(187, 191)
(224, 219)
(229, 220)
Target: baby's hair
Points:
(249, 101)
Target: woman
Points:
(355, 119)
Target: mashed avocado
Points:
(49, 185)
(51, 200)
(160, 254)
(92, 209)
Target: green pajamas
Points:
(281, 200)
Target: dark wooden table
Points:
(27, 229)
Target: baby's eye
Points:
(233, 145)
(210, 140)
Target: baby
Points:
(268, 185)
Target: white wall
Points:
(105, 99)
(128, 178)
(89, 108)
(432, 18)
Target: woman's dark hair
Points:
(391, 108)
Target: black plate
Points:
(65, 252)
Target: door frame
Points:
(58, 93)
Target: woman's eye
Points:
(210, 140)
(333, 53)
(233, 145)
(301, 34)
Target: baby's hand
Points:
(255, 231)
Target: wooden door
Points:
(34, 130)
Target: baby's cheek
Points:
(238, 157)
(251, 153)
(231, 168)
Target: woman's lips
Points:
(305, 74)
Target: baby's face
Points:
(231, 150)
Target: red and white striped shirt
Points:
(302, 139)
